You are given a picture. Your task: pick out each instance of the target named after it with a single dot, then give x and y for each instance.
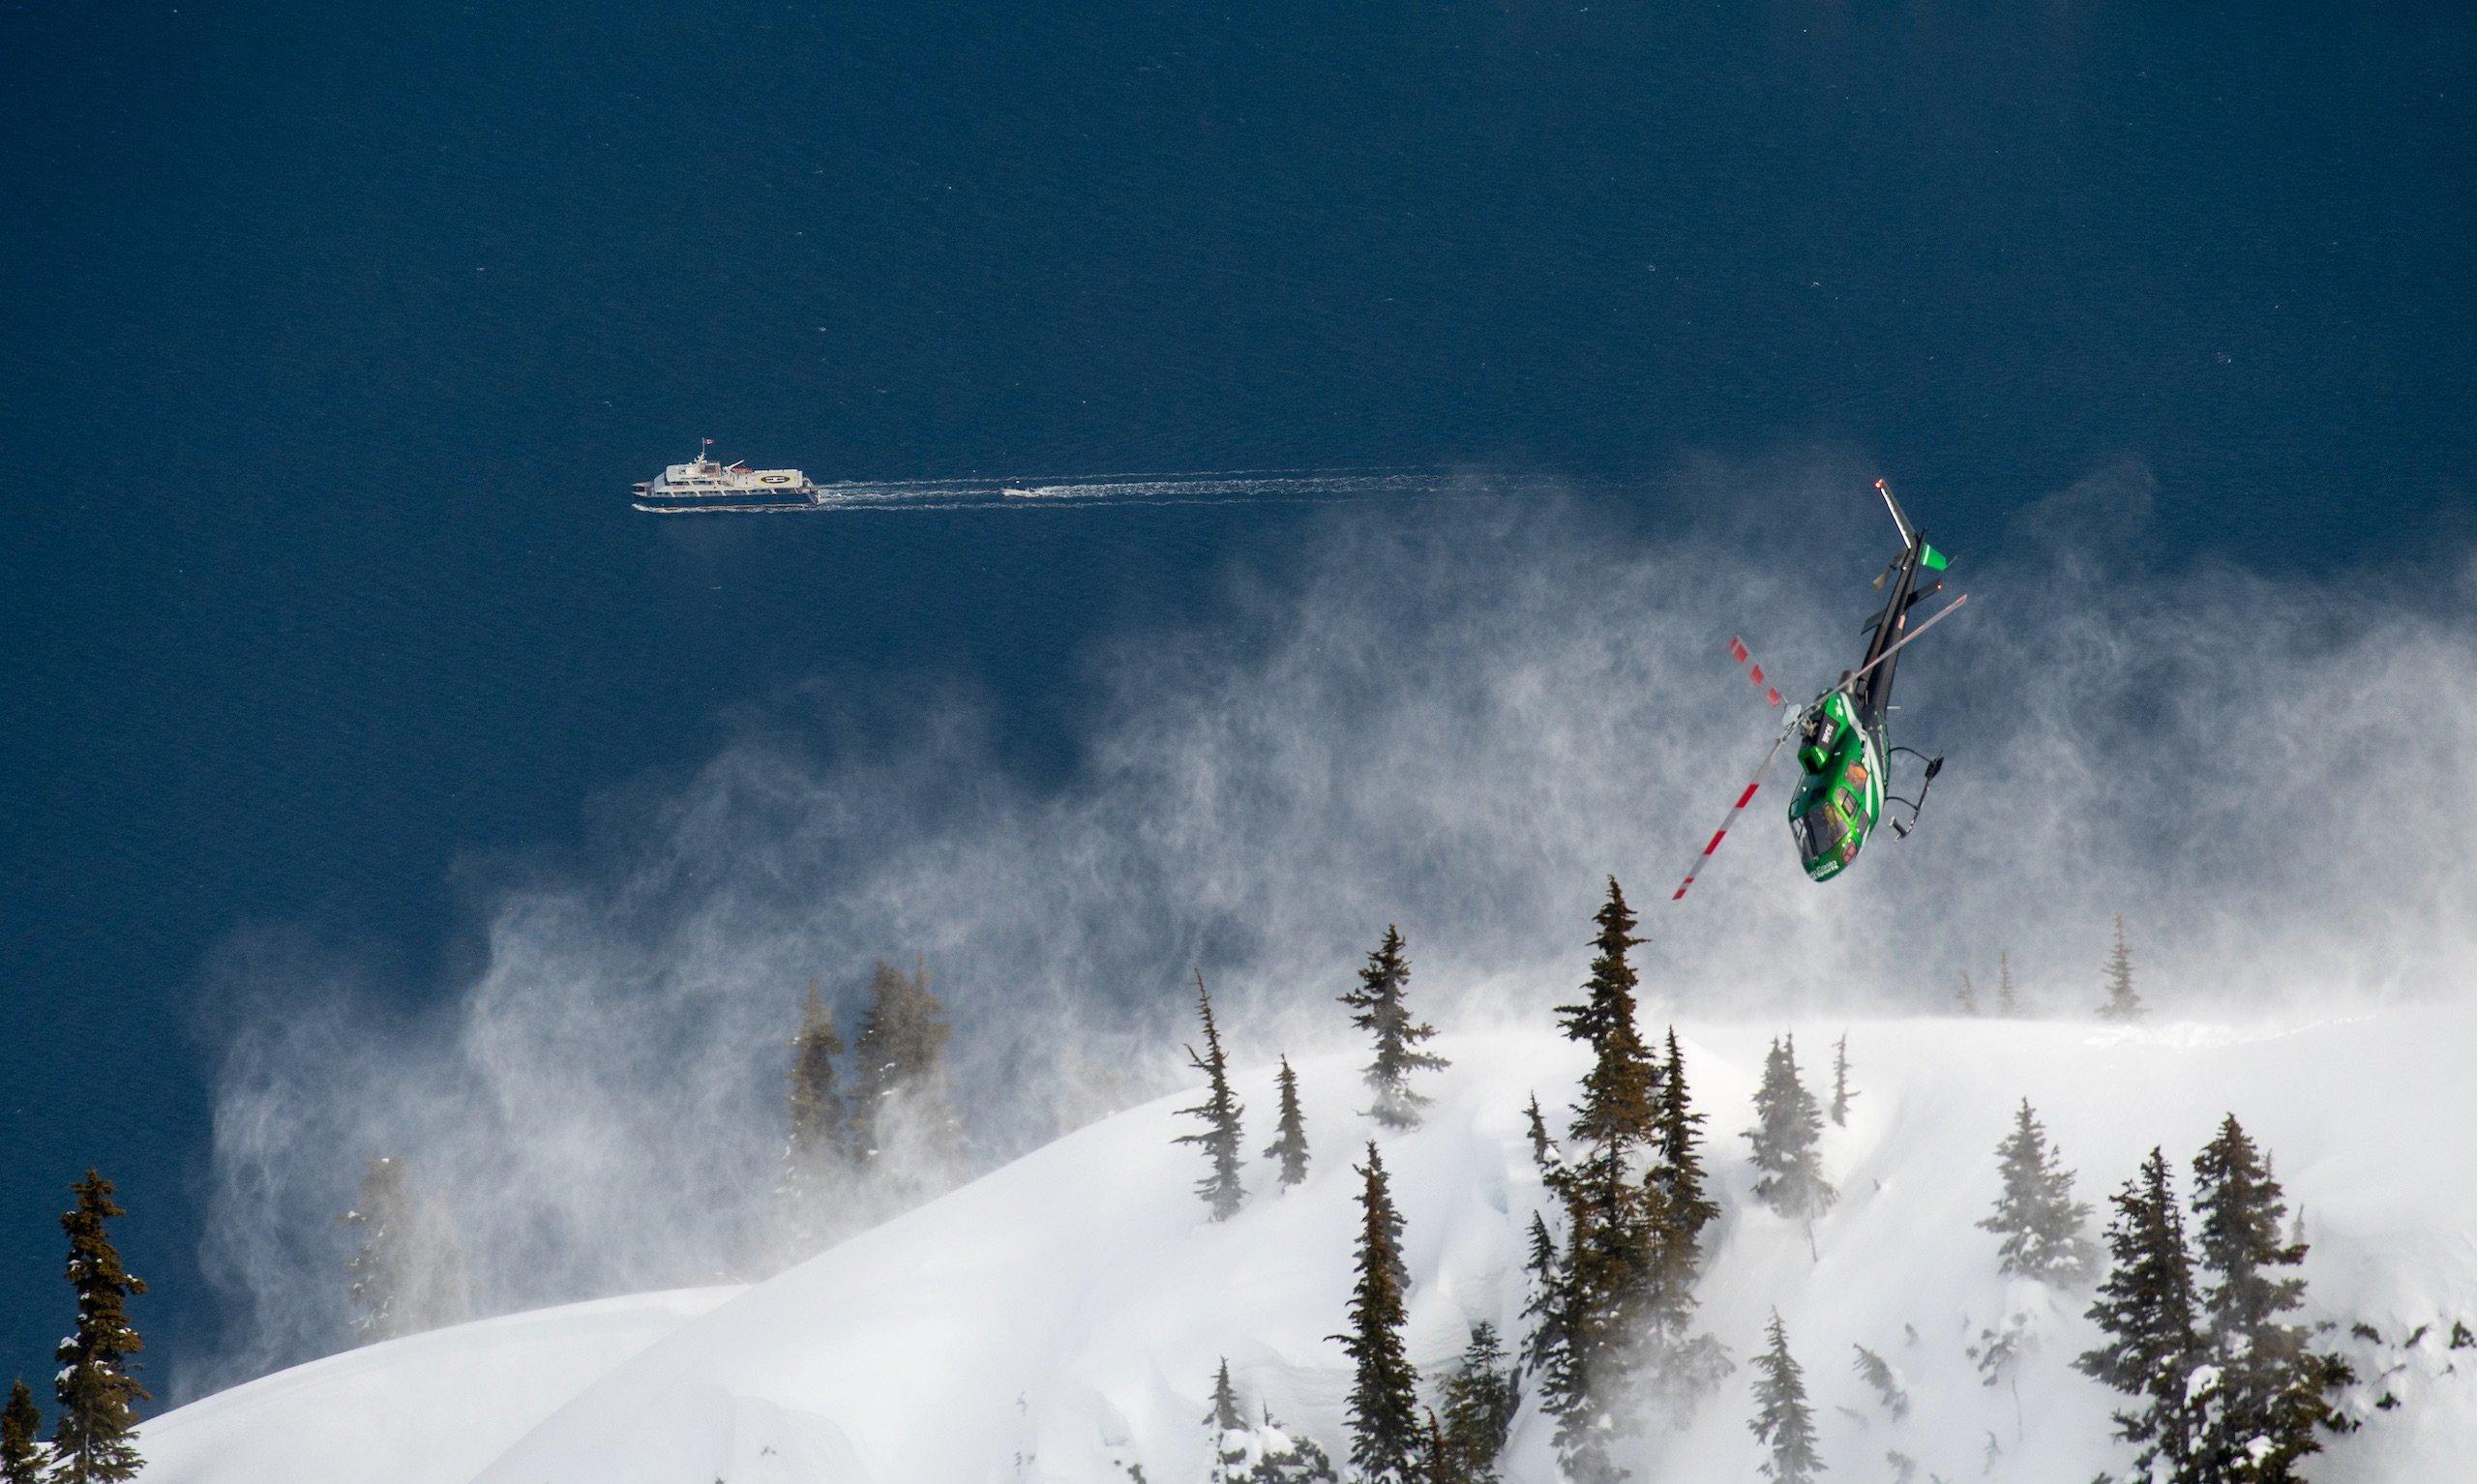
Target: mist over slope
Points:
(1459, 725)
(1061, 1317)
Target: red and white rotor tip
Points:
(1753, 671)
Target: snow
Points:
(431, 1408)
(1062, 1317)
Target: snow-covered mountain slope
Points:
(1061, 1317)
(430, 1409)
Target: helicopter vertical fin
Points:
(1908, 532)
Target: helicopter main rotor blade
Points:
(1939, 615)
(1753, 671)
(1735, 809)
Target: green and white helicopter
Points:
(1843, 754)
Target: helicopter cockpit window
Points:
(1819, 829)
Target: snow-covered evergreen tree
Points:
(1383, 1396)
(1542, 1145)
(1282, 1457)
(2042, 1225)
(1840, 1094)
(1479, 1396)
(1246, 1452)
(1679, 1172)
(2006, 1002)
(1966, 1000)
(2147, 1308)
(2271, 1390)
(1612, 1213)
(95, 1390)
(2122, 1003)
(1437, 1463)
(1616, 1110)
(1684, 1365)
(1232, 1450)
(1786, 1126)
(902, 1128)
(1290, 1131)
(816, 1159)
(1219, 1111)
(21, 1455)
(1544, 1350)
(1384, 1014)
(409, 1273)
(1784, 1423)
(1890, 1389)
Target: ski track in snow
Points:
(1063, 1317)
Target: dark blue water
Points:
(333, 337)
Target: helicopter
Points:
(1843, 752)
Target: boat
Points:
(704, 483)
(1018, 493)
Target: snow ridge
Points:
(1061, 1319)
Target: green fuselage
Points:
(1840, 785)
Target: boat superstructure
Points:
(705, 483)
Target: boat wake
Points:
(1206, 488)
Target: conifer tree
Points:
(2147, 1309)
(1219, 1110)
(1230, 1446)
(1614, 1239)
(20, 1454)
(1290, 1143)
(1225, 1415)
(1437, 1462)
(1544, 1350)
(2271, 1388)
(898, 1068)
(95, 1390)
(1880, 1375)
(1684, 1365)
(1537, 1127)
(1679, 1172)
(815, 1148)
(1840, 1094)
(382, 1213)
(1384, 1400)
(1784, 1423)
(2042, 1225)
(409, 1274)
(1787, 1124)
(1383, 1013)
(1283, 1459)
(1481, 1398)
(2006, 1002)
(2122, 1003)
(1616, 1110)
(1249, 1453)
(1967, 998)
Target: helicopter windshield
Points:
(1819, 829)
